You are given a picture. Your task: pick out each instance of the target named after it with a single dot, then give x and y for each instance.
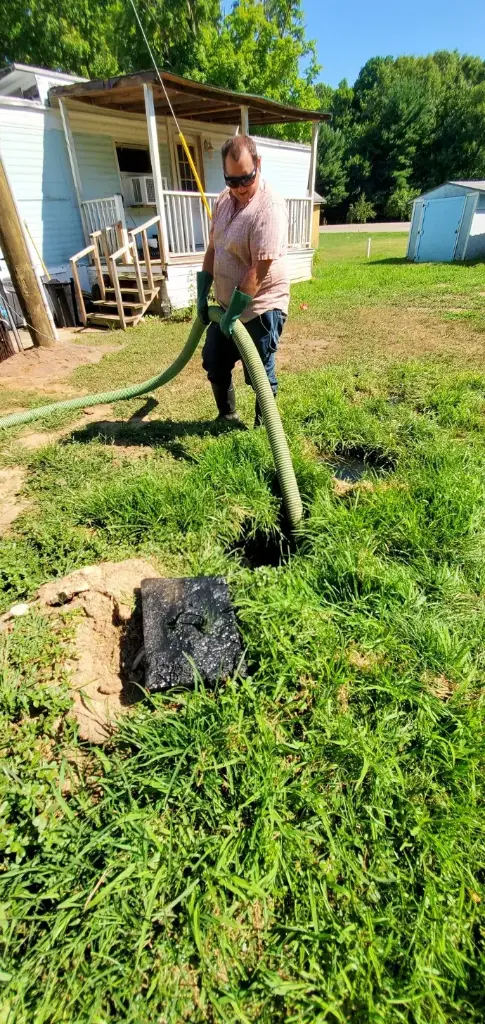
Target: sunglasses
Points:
(242, 180)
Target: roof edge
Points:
(245, 99)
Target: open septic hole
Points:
(352, 464)
(258, 548)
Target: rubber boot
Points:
(225, 401)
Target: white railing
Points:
(188, 224)
(106, 215)
(128, 253)
(300, 213)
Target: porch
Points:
(147, 241)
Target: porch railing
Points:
(187, 222)
(106, 215)
(299, 223)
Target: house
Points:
(104, 185)
(448, 223)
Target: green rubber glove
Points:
(239, 302)
(204, 281)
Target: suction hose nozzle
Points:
(259, 380)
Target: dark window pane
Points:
(134, 161)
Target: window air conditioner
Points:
(143, 189)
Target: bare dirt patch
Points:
(108, 636)
(33, 439)
(375, 331)
(11, 502)
(42, 369)
(440, 686)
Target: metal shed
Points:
(448, 223)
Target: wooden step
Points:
(126, 304)
(107, 318)
(150, 293)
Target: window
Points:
(133, 161)
(187, 180)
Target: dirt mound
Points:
(108, 636)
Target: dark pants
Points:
(220, 354)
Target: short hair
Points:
(236, 145)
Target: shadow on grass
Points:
(167, 434)
(400, 260)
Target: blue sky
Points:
(348, 32)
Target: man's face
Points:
(236, 168)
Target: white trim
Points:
(244, 120)
(281, 143)
(154, 148)
(61, 75)
(115, 154)
(74, 165)
(20, 101)
(313, 159)
(471, 200)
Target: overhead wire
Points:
(181, 136)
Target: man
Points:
(246, 258)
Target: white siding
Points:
(97, 166)
(285, 167)
(182, 284)
(181, 280)
(37, 165)
(300, 262)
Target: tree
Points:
(259, 46)
(361, 211)
(99, 38)
(260, 49)
(331, 179)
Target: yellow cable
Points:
(196, 176)
(181, 137)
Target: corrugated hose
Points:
(259, 380)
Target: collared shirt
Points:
(245, 234)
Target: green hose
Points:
(259, 380)
(271, 419)
(106, 397)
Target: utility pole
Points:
(17, 257)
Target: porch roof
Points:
(190, 100)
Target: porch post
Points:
(66, 124)
(313, 159)
(156, 169)
(244, 120)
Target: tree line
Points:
(405, 125)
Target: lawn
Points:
(307, 843)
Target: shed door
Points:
(439, 229)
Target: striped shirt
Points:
(244, 234)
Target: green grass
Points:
(344, 275)
(305, 844)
